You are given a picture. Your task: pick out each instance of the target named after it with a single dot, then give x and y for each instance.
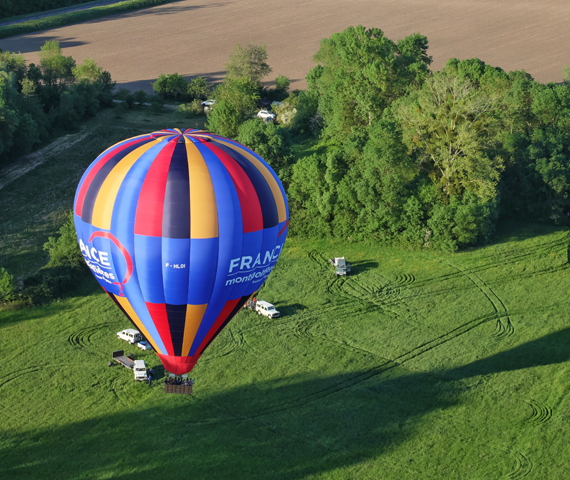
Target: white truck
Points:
(140, 371)
(265, 308)
(130, 335)
(342, 267)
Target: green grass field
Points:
(417, 366)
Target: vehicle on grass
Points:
(208, 103)
(140, 371)
(265, 308)
(341, 265)
(120, 357)
(130, 335)
(144, 345)
(266, 114)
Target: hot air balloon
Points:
(180, 228)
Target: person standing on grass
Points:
(149, 380)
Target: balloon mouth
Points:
(178, 365)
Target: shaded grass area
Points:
(62, 19)
(397, 371)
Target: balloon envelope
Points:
(180, 228)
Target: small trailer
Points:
(120, 357)
(341, 265)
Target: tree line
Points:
(39, 101)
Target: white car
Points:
(266, 114)
(208, 103)
(130, 335)
(265, 308)
(144, 345)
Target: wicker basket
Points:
(183, 389)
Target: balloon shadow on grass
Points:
(286, 428)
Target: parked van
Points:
(140, 371)
(130, 335)
(265, 308)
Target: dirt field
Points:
(193, 37)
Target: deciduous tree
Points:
(249, 62)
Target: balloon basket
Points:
(181, 389)
(178, 384)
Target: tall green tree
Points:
(57, 69)
(9, 115)
(224, 120)
(242, 93)
(170, 86)
(362, 73)
(269, 141)
(249, 62)
(450, 126)
(199, 88)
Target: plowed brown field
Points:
(193, 37)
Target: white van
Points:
(265, 308)
(140, 371)
(130, 335)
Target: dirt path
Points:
(29, 162)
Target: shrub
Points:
(199, 88)
(170, 86)
(224, 120)
(191, 109)
(64, 250)
(52, 283)
(282, 83)
(140, 96)
(8, 291)
(272, 143)
(155, 106)
(120, 109)
(126, 96)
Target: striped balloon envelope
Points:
(180, 228)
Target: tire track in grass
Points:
(506, 258)
(503, 330)
(541, 413)
(522, 464)
(301, 328)
(376, 370)
(498, 305)
(19, 373)
(361, 377)
(404, 280)
(82, 340)
(386, 296)
(232, 341)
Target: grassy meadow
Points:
(419, 365)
